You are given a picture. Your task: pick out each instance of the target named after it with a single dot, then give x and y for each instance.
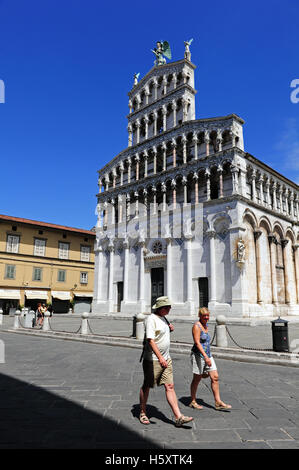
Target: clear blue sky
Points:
(68, 65)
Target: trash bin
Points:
(280, 335)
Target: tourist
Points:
(203, 364)
(157, 364)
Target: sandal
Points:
(182, 420)
(222, 407)
(143, 418)
(195, 405)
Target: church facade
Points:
(185, 211)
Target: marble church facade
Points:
(185, 211)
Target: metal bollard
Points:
(140, 325)
(1, 316)
(221, 337)
(84, 324)
(46, 325)
(16, 324)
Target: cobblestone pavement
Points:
(61, 394)
(259, 336)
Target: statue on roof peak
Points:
(162, 49)
(187, 49)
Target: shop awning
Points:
(36, 294)
(10, 294)
(83, 294)
(61, 295)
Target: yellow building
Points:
(47, 263)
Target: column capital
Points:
(211, 233)
(284, 242)
(164, 145)
(257, 233)
(174, 104)
(136, 157)
(164, 109)
(194, 137)
(173, 142)
(154, 150)
(137, 122)
(220, 168)
(173, 183)
(272, 238)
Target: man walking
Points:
(157, 364)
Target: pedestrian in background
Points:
(203, 364)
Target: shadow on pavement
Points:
(151, 412)
(33, 418)
(186, 401)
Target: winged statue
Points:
(136, 76)
(162, 49)
(187, 49)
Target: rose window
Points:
(157, 247)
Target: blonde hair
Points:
(203, 311)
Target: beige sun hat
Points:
(161, 302)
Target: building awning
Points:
(61, 295)
(10, 294)
(36, 294)
(83, 294)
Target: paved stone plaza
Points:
(64, 394)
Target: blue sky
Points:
(67, 67)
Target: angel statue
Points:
(187, 49)
(162, 49)
(136, 76)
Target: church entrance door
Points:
(203, 288)
(157, 278)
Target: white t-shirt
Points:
(157, 329)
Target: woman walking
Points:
(202, 361)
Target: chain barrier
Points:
(178, 342)
(242, 347)
(62, 331)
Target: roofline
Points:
(253, 159)
(20, 220)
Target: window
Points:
(37, 274)
(10, 271)
(83, 278)
(39, 247)
(12, 243)
(85, 253)
(61, 275)
(63, 250)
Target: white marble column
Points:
(174, 108)
(126, 246)
(220, 172)
(259, 259)
(185, 189)
(274, 187)
(174, 145)
(169, 267)
(146, 121)
(164, 113)
(296, 256)
(138, 125)
(286, 262)
(188, 250)
(129, 161)
(195, 178)
(213, 298)
(235, 179)
(173, 186)
(130, 135)
(207, 142)
(111, 275)
(272, 242)
(154, 150)
(208, 175)
(164, 148)
(141, 274)
(145, 163)
(253, 177)
(195, 141)
(261, 181)
(155, 117)
(137, 159)
(184, 140)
